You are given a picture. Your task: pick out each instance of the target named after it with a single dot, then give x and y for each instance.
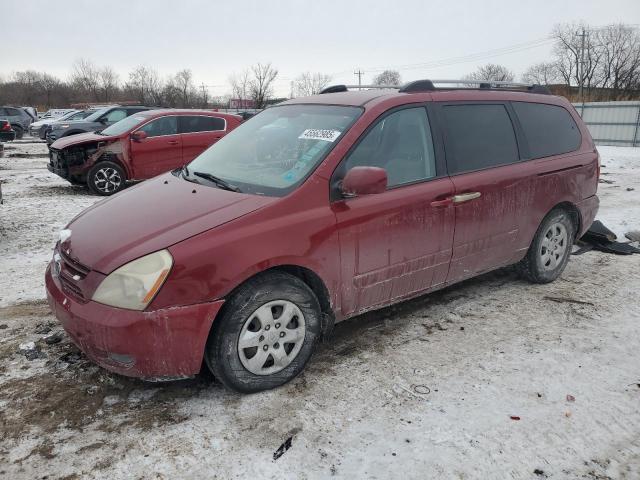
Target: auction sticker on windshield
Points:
(319, 134)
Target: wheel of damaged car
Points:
(106, 178)
(265, 333)
(550, 249)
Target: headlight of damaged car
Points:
(134, 285)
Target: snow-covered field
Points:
(486, 379)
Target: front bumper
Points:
(35, 131)
(154, 345)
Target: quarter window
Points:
(161, 126)
(478, 136)
(191, 124)
(400, 143)
(550, 129)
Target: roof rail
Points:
(430, 86)
(420, 85)
(344, 88)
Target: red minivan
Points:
(138, 147)
(317, 210)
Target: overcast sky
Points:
(421, 39)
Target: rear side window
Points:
(191, 124)
(550, 129)
(478, 136)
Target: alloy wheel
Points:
(107, 180)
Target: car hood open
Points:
(80, 138)
(150, 217)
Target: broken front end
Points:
(74, 162)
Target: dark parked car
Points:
(18, 118)
(98, 120)
(137, 148)
(6, 131)
(314, 211)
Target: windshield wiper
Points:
(217, 180)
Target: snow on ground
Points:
(427, 389)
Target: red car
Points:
(317, 210)
(138, 147)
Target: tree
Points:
(145, 85)
(108, 83)
(184, 83)
(491, 72)
(619, 66)
(310, 84)
(544, 73)
(261, 83)
(569, 54)
(240, 85)
(49, 85)
(86, 78)
(388, 77)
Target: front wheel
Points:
(550, 249)
(265, 334)
(106, 178)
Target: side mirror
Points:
(102, 120)
(138, 135)
(364, 181)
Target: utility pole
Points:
(581, 69)
(359, 74)
(204, 96)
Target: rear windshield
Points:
(275, 151)
(124, 125)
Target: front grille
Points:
(71, 275)
(74, 266)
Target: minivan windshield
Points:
(274, 152)
(124, 125)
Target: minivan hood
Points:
(88, 137)
(149, 217)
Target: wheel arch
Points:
(574, 215)
(312, 280)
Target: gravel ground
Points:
(492, 378)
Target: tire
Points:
(19, 131)
(106, 178)
(550, 249)
(250, 316)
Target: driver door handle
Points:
(172, 142)
(465, 197)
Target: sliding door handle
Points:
(465, 197)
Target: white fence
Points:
(612, 123)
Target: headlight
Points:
(134, 285)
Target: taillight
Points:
(6, 127)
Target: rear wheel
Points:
(550, 250)
(19, 131)
(106, 178)
(266, 333)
